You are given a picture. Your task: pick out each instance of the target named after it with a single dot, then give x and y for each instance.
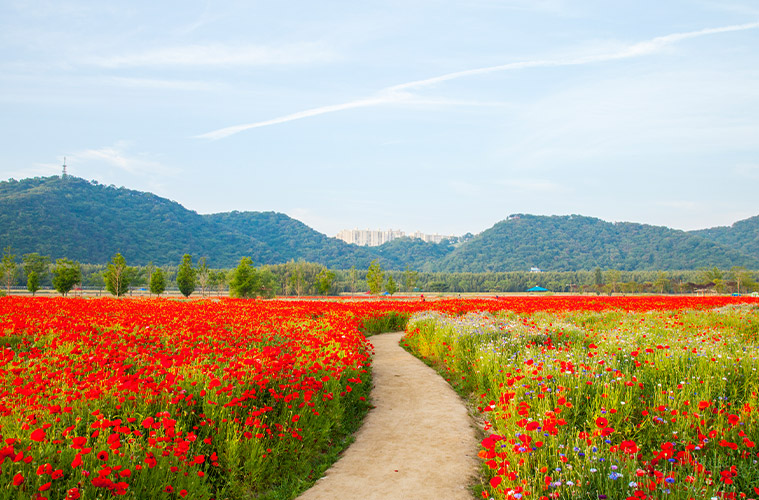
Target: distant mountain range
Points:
(89, 222)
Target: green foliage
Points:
(8, 268)
(353, 277)
(402, 252)
(280, 239)
(324, 281)
(36, 263)
(301, 277)
(66, 274)
(391, 286)
(743, 279)
(410, 279)
(186, 276)
(247, 281)
(157, 282)
(32, 282)
(217, 280)
(100, 220)
(742, 236)
(244, 280)
(394, 321)
(572, 243)
(118, 276)
(375, 277)
(203, 275)
(96, 280)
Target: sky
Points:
(420, 115)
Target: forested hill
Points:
(89, 222)
(288, 239)
(743, 235)
(573, 242)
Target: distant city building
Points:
(370, 238)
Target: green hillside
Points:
(413, 252)
(572, 242)
(288, 239)
(742, 236)
(89, 222)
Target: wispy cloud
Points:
(218, 55)
(361, 103)
(119, 156)
(402, 92)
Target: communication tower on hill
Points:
(64, 168)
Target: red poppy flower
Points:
(38, 435)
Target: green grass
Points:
(393, 321)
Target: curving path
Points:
(418, 442)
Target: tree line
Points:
(301, 278)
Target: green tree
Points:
(297, 276)
(598, 278)
(149, 270)
(36, 267)
(410, 279)
(96, 280)
(742, 278)
(117, 276)
(613, 277)
(353, 275)
(267, 284)
(391, 286)
(713, 275)
(137, 278)
(218, 280)
(32, 282)
(245, 280)
(324, 281)
(661, 281)
(375, 277)
(66, 274)
(186, 276)
(8, 268)
(157, 282)
(203, 275)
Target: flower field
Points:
(249, 398)
(174, 399)
(636, 400)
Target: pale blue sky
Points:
(439, 116)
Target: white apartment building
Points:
(370, 238)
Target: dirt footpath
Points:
(417, 443)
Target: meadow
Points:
(250, 398)
(628, 403)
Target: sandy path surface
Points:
(417, 443)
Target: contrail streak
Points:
(398, 93)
